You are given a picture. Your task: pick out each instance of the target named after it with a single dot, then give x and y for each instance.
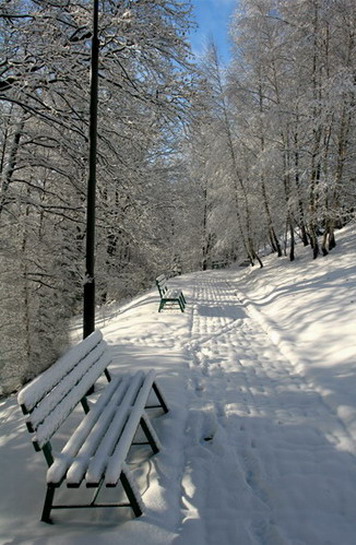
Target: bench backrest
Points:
(51, 397)
(161, 282)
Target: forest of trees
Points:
(196, 160)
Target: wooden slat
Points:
(118, 457)
(98, 464)
(53, 421)
(33, 392)
(69, 381)
(88, 428)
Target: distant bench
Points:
(219, 264)
(96, 450)
(170, 297)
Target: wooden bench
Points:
(170, 297)
(96, 450)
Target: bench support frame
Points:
(132, 502)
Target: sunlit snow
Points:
(259, 447)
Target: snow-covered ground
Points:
(259, 447)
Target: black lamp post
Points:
(89, 284)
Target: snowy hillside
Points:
(259, 447)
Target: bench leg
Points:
(178, 300)
(48, 505)
(136, 505)
(160, 397)
(150, 434)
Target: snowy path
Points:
(262, 460)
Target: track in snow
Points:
(261, 446)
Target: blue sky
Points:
(212, 17)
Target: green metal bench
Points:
(169, 297)
(95, 452)
(219, 264)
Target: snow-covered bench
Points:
(96, 450)
(219, 264)
(170, 297)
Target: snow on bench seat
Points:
(114, 468)
(83, 443)
(33, 392)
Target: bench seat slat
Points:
(49, 403)
(172, 294)
(118, 457)
(173, 291)
(33, 392)
(106, 434)
(90, 429)
(65, 407)
(98, 463)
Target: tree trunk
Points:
(206, 240)
(11, 162)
